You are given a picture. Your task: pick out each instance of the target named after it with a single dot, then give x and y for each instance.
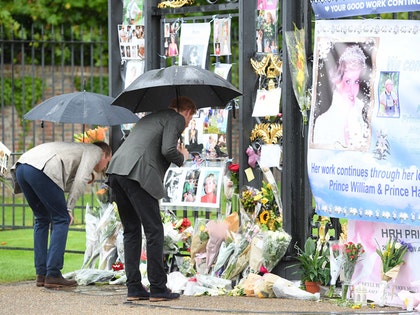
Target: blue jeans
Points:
(49, 206)
(138, 208)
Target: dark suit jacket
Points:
(149, 150)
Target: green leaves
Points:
(314, 261)
(393, 254)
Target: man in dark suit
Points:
(136, 174)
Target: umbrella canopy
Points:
(81, 108)
(154, 89)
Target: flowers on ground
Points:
(240, 256)
(177, 233)
(392, 257)
(182, 224)
(274, 247)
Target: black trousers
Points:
(138, 208)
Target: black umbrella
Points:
(81, 108)
(154, 89)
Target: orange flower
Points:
(92, 135)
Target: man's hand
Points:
(185, 152)
(71, 216)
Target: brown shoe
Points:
(58, 282)
(40, 279)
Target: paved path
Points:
(26, 299)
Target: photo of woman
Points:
(344, 102)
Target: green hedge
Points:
(22, 93)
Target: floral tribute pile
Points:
(242, 248)
(249, 241)
(212, 254)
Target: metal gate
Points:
(36, 65)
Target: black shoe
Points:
(58, 282)
(166, 296)
(138, 295)
(40, 279)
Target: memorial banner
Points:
(364, 144)
(368, 269)
(324, 9)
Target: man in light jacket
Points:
(44, 174)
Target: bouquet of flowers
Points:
(92, 135)
(274, 247)
(199, 239)
(240, 257)
(295, 41)
(217, 234)
(225, 251)
(92, 217)
(175, 232)
(109, 227)
(186, 230)
(103, 228)
(171, 239)
(392, 257)
(336, 263)
(4, 159)
(269, 217)
(249, 199)
(102, 194)
(352, 252)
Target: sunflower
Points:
(264, 217)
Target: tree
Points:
(56, 20)
(86, 13)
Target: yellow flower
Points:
(264, 200)
(264, 216)
(272, 225)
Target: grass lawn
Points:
(18, 265)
